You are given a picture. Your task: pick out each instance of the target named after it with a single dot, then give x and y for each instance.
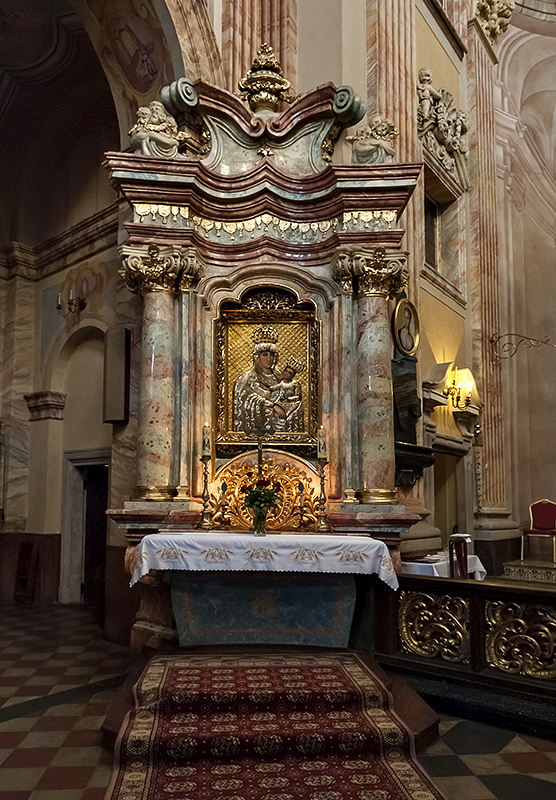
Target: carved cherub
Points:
(427, 93)
(372, 144)
(156, 132)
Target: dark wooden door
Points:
(96, 503)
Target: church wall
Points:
(527, 228)
(434, 52)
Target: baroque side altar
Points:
(266, 270)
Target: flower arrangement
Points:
(260, 496)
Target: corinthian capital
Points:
(378, 273)
(152, 268)
(192, 268)
(342, 271)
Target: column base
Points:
(377, 496)
(350, 497)
(155, 493)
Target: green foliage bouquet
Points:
(260, 497)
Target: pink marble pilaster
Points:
(379, 277)
(375, 414)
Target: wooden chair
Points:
(543, 523)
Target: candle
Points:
(71, 295)
(322, 449)
(59, 303)
(260, 458)
(206, 449)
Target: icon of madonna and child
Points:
(268, 400)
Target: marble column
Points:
(380, 276)
(153, 272)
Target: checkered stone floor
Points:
(472, 761)
(58, 677)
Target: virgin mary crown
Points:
(265, 335)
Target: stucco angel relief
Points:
(265, 399)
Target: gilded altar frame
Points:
(297, 332)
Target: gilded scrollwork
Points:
(432, 626)
(521, 638)
(287, 516)
(152, 268)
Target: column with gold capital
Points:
(379, 276)
(154, 272)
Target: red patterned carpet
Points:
(283, 727)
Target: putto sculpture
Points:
(442, 128)
(156, 132)
(373, 144)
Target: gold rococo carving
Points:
(227, 231)
(264, 85)
(286, 516)
(378, 273)
(432, 626)
(152, 268)
(521, 639)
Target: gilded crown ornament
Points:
(295, 364)
(264, 86)
(265, 335)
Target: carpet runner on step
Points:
(265, 727)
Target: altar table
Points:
(284, 552)
(441, 568)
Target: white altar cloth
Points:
(196, 550)
(441, 568)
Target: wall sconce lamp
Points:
(73, 305)
(461, 398)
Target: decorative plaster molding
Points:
(441, 128)
(229, 231)
(46, 405)
(494, 16)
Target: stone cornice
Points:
(474, 23)
(84, 240)
(45, 405)
(333, 191)
(447, 27)
(307, 254)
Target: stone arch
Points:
(141, 49)
(57, 361)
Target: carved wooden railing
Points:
(490, 633)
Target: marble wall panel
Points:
(18, 335)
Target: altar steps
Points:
(414, 712)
